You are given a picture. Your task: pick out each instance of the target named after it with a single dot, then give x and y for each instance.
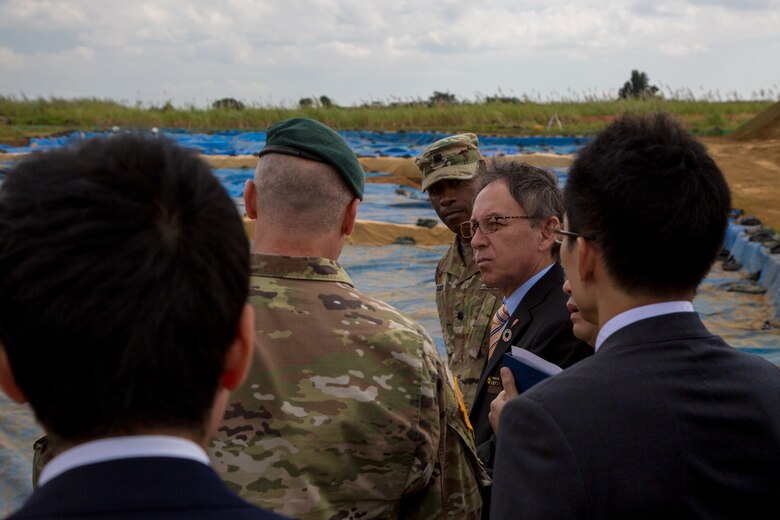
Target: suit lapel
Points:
(521, 319)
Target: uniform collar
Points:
(298, 267)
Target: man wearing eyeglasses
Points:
(515, 211)
(449, 167)
(666, 420)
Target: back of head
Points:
(123, 274)
(300, 196)
(655, 202)
(306, 177)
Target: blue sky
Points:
(273, 52)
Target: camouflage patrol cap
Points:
(455, 157)
(310, 139)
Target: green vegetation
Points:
(504, 115)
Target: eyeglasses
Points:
(487, 225)
(563, 232)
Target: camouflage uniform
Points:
(348, 411)
(465, 307)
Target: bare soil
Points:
(752, 169)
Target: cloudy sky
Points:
(275, 52)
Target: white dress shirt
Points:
(640, 313)
(113, 448)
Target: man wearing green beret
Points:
(466, 307)
(348, 410)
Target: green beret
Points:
(310, 139)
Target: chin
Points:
(584, 333)
(454, 227)
(488, 283)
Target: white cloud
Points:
(354, 49)
(347, 49)
(10, 59)
(43, 14)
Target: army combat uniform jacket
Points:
(348, 410)
(466, 308)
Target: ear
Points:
(547, 237)
(348, 224)
(250, 199)
(7, 379)
(239, 355)
(587, 258)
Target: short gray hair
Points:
(535, 189)
(301, 194)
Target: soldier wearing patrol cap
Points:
(348, 410)
(449, 167)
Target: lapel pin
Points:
(507, 335)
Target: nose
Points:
(567, 287)
(479, 239)
(447, 195)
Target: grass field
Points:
(23, 118)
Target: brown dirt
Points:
(752, 169)
(765, 125)
(750, 160)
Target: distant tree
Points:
(306, 102)
(227, 104)
(442, 98)
(638, 87)
(503, 99)
(326, 102)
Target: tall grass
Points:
(508, 115)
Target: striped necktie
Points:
(496, 326)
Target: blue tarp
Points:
(756, 259)
(366, 144)
(382, 202)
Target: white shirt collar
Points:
(640, 313)
(113, 448)
(516, 297)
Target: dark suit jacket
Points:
(664, 421)
(144, 487)
(540, 324)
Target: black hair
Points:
(654, 201)
(123, 275)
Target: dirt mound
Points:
(765, 125)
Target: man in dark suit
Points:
(123, 321)
(516, 208)
(665, 420)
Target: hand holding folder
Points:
(522, 370)
(528, 368)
